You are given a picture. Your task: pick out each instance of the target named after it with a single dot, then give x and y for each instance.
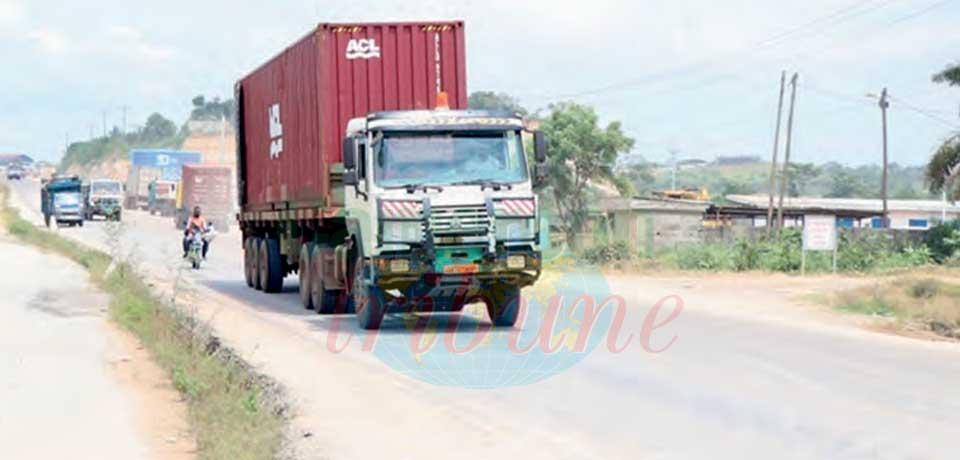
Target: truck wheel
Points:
(368, 300)
(503, 304)
(324, 300)
(305, 271)
(271, 266)
(250, 261)
(80, 222)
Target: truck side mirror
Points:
(350, 177)
(349, 154)
(539, 174)
(540, 147)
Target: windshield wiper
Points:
(411, 188)
(484, 184)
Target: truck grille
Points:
(459, 221)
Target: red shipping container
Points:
(207, 186)
(293, 110)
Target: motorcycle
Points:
(195, 248)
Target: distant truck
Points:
(15, 172)
(354, 172)
(162, 197)
(104, 197)
(209, 188)
(61, 200)
(148, 166)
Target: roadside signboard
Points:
(819, 234)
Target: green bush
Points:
(607, 253)
(943, 240)
(782, 253)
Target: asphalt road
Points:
(58, 397)
(750, 374)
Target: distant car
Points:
(15, 173)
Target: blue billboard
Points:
(170, 162)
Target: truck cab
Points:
(441, 208)
(104, 198)
(61, 200)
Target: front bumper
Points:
(431, 271)
(68, 217)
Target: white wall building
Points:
(904, 214)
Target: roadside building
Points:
(915, 215)
(646, 225)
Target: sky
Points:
(697, 77)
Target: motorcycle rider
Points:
(196, 224)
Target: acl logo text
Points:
(276, 131)
(362, 48)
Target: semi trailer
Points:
(208, 187)
(151, 166)
(360, 170)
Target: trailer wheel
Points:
(271, 266)
(305, 271)
(324, 300)
(503, 304)
(368, 300)
(250, 261)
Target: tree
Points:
(801, 174)
(489, 100)
(158, 128)
(942, 170)
(213, 110)
(846, 185)
(949, 75)
(641, 176)
(581, 153)
(943, 166)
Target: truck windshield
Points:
(105, 187)
(66, 199)
(442, 158)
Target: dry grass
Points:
(928, 300)
(235, 413)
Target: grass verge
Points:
(235, 413)
(927, 301)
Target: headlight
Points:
(402, 232)
(399, 265)
(516, 229)
(516, 262)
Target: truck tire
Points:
(368, 300)
(305, 272)
(324, 300)
(250, 261)
(503, 304)
(270, 265)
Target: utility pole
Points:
(786, 155)
(884, 105)
(673, 172)
(104, 124)
(124, 119)
(776, 146)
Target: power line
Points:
(920, 12)
(835, 18)
(925, 112)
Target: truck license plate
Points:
(461, 269)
